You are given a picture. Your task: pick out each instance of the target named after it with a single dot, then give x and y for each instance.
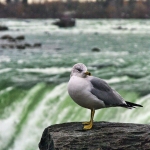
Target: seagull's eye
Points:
(80, 70)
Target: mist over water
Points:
(33, 82)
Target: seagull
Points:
(93, 93)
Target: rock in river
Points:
(3, 28)
(103, 136)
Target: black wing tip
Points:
(129, 104)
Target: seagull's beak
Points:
(88, 73)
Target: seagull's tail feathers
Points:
(130, 105)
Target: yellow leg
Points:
(88, 125)
(88, 122)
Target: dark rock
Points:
(7, 46)
(46, 142)
(103, 136)
(66, 20)
(21, 37)
(12, 40)
(3, 46)
(7, 37)
(3, 28)
(11, 46)
(95, 49)
(37, 45)
(27, 45)
(58, 48)
(20, 46)
(65, 23)
(120, 28)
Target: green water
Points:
(33, 82)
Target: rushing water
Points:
(33, 82)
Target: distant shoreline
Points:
(85, 10)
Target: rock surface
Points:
(9, 42)
(3, 28)
(95, 49)
(103, 136)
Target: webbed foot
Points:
(88, 126)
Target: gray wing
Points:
(105, 93)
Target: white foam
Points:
(4, 58)
(5, 70)
(37, 120)
(7, 128)
(9, 124)
(116, 79)
(52, 70)
(101, 26)
(20, 61)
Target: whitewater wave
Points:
(52, 70)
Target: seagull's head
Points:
(80, 70)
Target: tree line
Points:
(87, 9)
